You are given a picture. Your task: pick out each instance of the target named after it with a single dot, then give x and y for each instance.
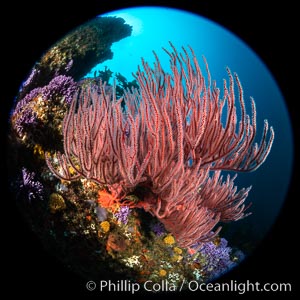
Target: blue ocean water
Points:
(154, 27)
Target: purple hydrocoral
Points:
(31, 188)
(216, 258)
(122, 214)
(27, 118)
(30, 96)
(158, 228)
(30, 78)
(61, 86)
(24, 114)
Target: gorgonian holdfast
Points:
(172, 140)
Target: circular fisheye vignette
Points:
(128, 157)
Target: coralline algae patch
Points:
(90, 224)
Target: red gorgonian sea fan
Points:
(172, 138)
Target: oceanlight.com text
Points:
(239, 287)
